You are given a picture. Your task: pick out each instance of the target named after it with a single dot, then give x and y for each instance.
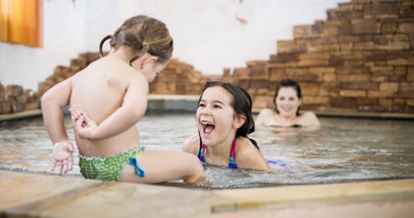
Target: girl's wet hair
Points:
(288, 83)
(242, 106)
(142, 34)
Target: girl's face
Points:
(287, 101)
(215, 116)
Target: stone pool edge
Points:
(35, 195)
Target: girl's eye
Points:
(201, 105)
(217, 106)
(282, 98)
(291, 99)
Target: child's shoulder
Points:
(248, 156)
(245, 146)
(119, 70)
(191, 144)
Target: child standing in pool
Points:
(113, 92)
(224, 119)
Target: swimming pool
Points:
(342, 150)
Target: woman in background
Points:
(288, 101)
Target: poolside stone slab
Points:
(20, 115)
(33, 195)
(19, 188)
(27, 195)
(379, 209)
(321, 194)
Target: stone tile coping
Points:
(34, 195)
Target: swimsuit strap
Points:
(232, 157)
(201, 153)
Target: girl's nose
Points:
(205, 111)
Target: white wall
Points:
(206, 33)
(63, 38)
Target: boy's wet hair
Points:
(241, 103)
(142, 34)
(288, 83)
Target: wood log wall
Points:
(360, 59)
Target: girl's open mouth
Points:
(208, 127)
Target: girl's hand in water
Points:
(83, 125)
(203, 182)
(62, 157)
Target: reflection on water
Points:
(341, 150)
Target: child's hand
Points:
(62, 157)
(203, 182)
(83, 125)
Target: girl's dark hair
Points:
(142, 34)
(242, 106)
(286, 83)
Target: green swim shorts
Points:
(108, 168)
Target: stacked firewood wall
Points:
(14, 98)
(178, 78)
(361, 59)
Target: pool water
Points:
(341, 150)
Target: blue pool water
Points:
(342, 150)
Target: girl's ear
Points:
(238, 121)
(148, 59)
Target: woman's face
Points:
(287, 101)
(215, 116)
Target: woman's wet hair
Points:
(241, 103)
(142, 34)
(288, 83)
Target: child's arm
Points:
(53, 102)
(132, 109)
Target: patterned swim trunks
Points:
(108, 168)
